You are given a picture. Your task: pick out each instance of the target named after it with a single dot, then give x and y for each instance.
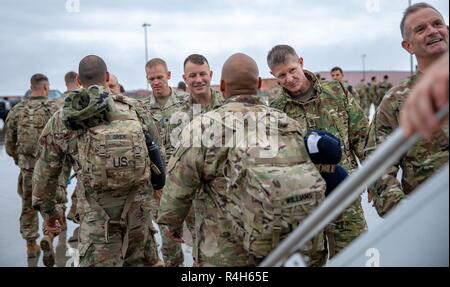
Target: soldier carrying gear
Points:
(24, 125)
(103, 134)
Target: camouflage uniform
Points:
(72, 214)
(16, 133)
(163, 114)
(197, 179)
(374, 95)
(172, 254)
(350, 91)
(363, 97)
(183, 116)
(419, 163)
(114, 225)
(328, 108)
(382, 89)
(186, 113)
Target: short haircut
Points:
(386, 77)
(92, 70)
(373, 78)
(156, 62)
(196, 59)
(337, 69)
(182, 86)
(412, 9)
(280, 55)
(37, 79)
(70, 77)
(122, 89)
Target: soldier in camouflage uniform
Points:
(202, 99)
(24, 125)
(338, 75)
(383, 88)
(70, 79)
(363, 93)
(163, 103)
(198, 173)
(324, 106)
(103, 135)
(425, 35)
(374, 95)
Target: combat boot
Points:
(33, 249)
(49, 253)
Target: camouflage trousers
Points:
(114, 244)
(73, 212)
(29, 218)
(170, 249)
(346, 228)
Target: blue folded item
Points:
(324, 148)
(334, 179)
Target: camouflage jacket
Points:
(419, 163)
(382, 89)
(12, 143)
(164, 114)
(187, 112)
(197, 173)
(363, 95)
(331, 110)
(58, 142)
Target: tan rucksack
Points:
(113, 155)
(33, 117)
(267, 197)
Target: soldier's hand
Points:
(53, 224)
(157, 194)
(173, 236)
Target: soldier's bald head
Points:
(92, 71)
(240, 76)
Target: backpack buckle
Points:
(137, 151)
(102, 150)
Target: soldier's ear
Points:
(222, 86)
(107, 77)
(169, 75)
(408, 47)
(78, 80)
(300, 61)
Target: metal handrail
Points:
(346, 193)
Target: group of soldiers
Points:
(240, 175)
(366, 93)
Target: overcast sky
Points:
(51, 36)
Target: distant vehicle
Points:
(5, 107)
(52, 95)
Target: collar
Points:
(216, 101)
(247, 99)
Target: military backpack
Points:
(271, 185)
(33, 117)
